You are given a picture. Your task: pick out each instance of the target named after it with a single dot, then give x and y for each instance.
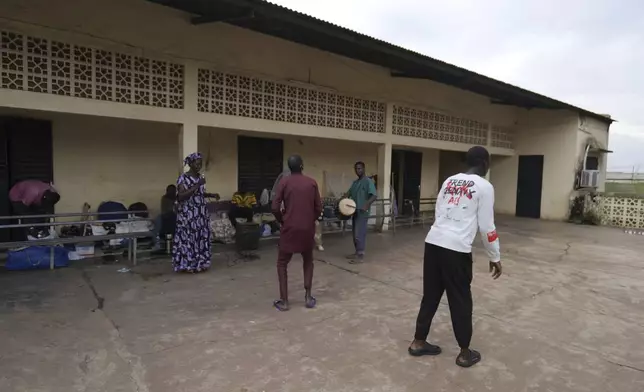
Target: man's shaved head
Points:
(295, 163)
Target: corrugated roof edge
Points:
(314, 19)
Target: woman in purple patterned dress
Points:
(192, 241)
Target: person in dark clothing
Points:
(33, 197)
(168, 200)
(465, 205)
(363, 192)
(167, 214)
(301, 208)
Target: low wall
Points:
(619, 211)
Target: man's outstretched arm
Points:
(488, 232)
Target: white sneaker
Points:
(320, 248)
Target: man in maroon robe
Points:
(301, 208)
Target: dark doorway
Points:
(30, 150)
(411, 177)
(406, 168)
(449, 164)
(397, 162)
(259, 162)
(5, 205)
(529, 184)
(26, 153)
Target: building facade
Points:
(105, 98)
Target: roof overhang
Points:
(275, 20)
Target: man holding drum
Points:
(363, 192)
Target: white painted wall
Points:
(594, 132)
(552, 134)
(450, 163)
(99, 159)
(503, 175)
(219, 147)
(336, 158)
(96, 159)
(429, 183)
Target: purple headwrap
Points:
(191, 158)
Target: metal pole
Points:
(134, 240)
(51, 258)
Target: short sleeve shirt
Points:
(361, 190)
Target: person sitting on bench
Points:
(167, 215)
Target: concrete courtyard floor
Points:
(568, 315)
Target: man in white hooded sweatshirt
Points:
(465, 205)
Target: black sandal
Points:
(427, 349)
(466, 361)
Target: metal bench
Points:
(426, 214)
(132, 245)
(418, 213)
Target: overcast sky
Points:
(589, 53)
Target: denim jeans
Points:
(359, 228)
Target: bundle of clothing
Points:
(112, 210)
(222, 229)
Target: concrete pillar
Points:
(389, 118)
(188, 142)
(384, 181)
(191, 87)
(489, 135)
(400, 180)
(429, 184)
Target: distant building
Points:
(624, 177)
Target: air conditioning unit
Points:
(589, 179)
